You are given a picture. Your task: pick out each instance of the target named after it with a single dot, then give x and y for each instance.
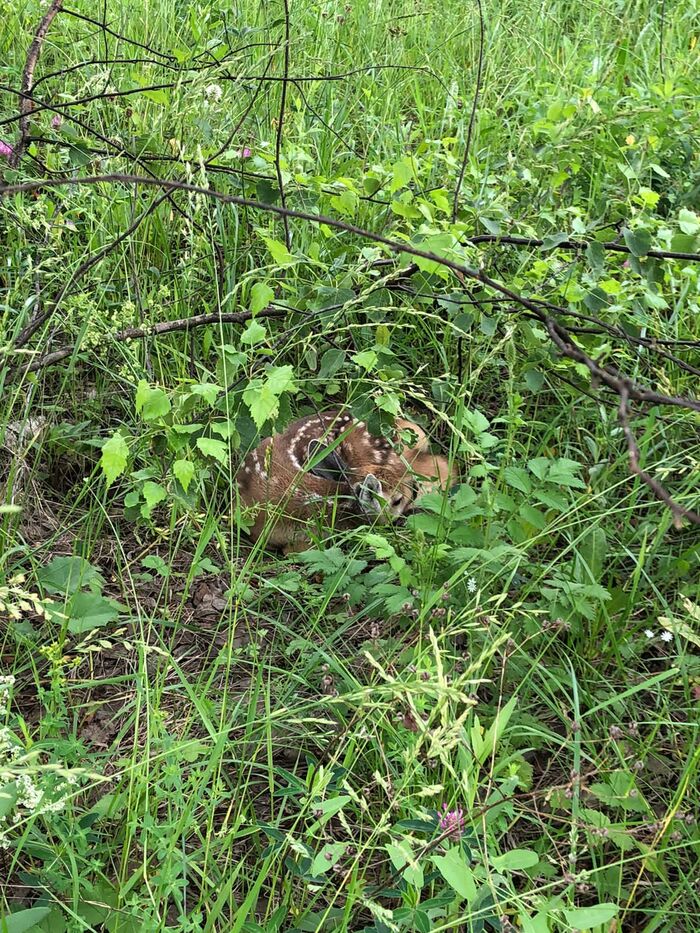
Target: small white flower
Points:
(471, 585)
(666, 636)
(648, 632)
(213, 92)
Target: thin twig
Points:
(157, 330)
(25, 101)
(575, 245)
(678, 511)
(472, 116)
(280, 125)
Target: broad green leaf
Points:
(281, 379)
(156, 562)
(518, 478)
(151, 403)
(401, 174)
(23, 920)
(638, 241)
(254, 333)
(279, 252)
(260, 296)
(552, 240)
(262, 402)
(157, 95)
(534, 379)
(206, 390)
(586, 918)
(454, 869)
(476, 421)
(595, 256)
(367, 359)
(115, 455)
(153, 493)
(87, 611)
(515, 860)
(210, 447)
(331, 362)
(443, 245)
(688, 221)
(345, 203)
(67, 575)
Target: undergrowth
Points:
(483, 718)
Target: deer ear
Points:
(331, 465)
(369, 493)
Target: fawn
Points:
(327, 466)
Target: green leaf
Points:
(114, 458)
(260, 296)
(443, 245)
(518, 478)
(688, 221)
(206, 390)
(585, 918)
(552, 240)
(23, 920)
(87, 611)
(156, 562)
(345, 203)
(279, 252)
(534, 379)
(281, 379)
(476, 421)
(595, 256)
(8, 799)
(210, 447)
(151, 403)
(158, 96)
(67, 575)
(515, 860)
(329, 856)
(371, 185)
(366, 359)
(331, 361)
(454, 869)
(638, 241)
(184, 473)
(153, 493)
(254, 333)
(401, 174)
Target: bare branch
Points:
(25, 101)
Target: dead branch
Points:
(25, 101)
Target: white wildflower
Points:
(666, 636)
(213, 93)
(28, 794)
(648, 632)
(471, 585)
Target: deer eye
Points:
(396, 500)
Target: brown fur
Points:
(275, 476)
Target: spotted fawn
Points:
(328, 468)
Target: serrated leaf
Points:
(184, 473)
(279, 252)
(151, 403)
(585, 918)
(254, 333)
(260, 296)
(153, 493)
(534, 379)
(518, 478)
(367, 359)
(401, 174)
(114, 457)
(281, 379)
(454, 869)
(211, 447)
(209, 391)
